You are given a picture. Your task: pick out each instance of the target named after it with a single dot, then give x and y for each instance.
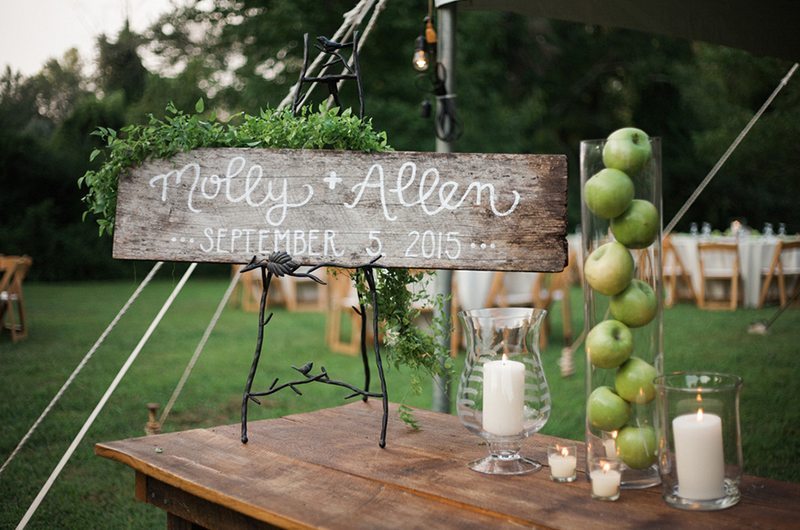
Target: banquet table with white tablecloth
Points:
(755, 255)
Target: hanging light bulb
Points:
(425, 46)
(420, 60)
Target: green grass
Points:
(92, 492)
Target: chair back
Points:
(14, 269)
(785, 262)
(719, 261)
(790, 256)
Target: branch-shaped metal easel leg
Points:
(362, 312)
(266, 279)
(370, 276)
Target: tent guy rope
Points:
(728, 152)
(103, 400)
(200, 347)
(83, 362)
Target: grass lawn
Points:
(66, 319)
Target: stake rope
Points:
(728, 152)
(200, 346)
(80, 366)
(111, 388)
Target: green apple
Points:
(634, 381)
(636, 305)
(638, 225)
(606, 410)
(609, 344)
(636, 446)
(627, 149)
(608, 193)
(609, 269)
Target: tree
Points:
(119, 66)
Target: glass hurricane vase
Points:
(623, 300)
(503, 395)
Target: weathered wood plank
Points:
(422, 210)
(325, 469)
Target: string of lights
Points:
(446, 125)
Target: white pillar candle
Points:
(699, 459)
(562, 465)
(605, 482)
(503, 397)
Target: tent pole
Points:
(446, 54)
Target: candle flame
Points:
(699, 414)
(505, 357)
(564, 451)
(699, 396)
(606, 467)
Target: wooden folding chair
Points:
(341, 299)
(718, 261)
(287, 292)
(674, 272)
(543, 290)
(494, 291)
(785, 262)
(303, 294)
(12, 303)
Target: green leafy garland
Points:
(407, 344)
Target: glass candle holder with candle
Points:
(605, 476)
(700, 448)
(503, 395)
(562, 459)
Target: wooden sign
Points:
(421, 210)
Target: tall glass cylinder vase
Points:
(622, 284)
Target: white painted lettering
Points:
(209, 233)
(329, 247)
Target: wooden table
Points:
(325, 470)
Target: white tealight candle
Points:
(503, 397)
(699, 458)
(610, 444)
(605, 482)
(562, 465)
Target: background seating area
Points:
(13, 270)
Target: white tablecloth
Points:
(755, 256)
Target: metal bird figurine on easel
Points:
(350, 70)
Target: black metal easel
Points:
(281, 264)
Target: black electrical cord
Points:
(446, 125)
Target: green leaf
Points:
(94, 155)
(199, 106)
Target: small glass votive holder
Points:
(563, 462)
(605, 476)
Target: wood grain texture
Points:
(324, 469)
(423, 210)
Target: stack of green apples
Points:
(609, 270)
